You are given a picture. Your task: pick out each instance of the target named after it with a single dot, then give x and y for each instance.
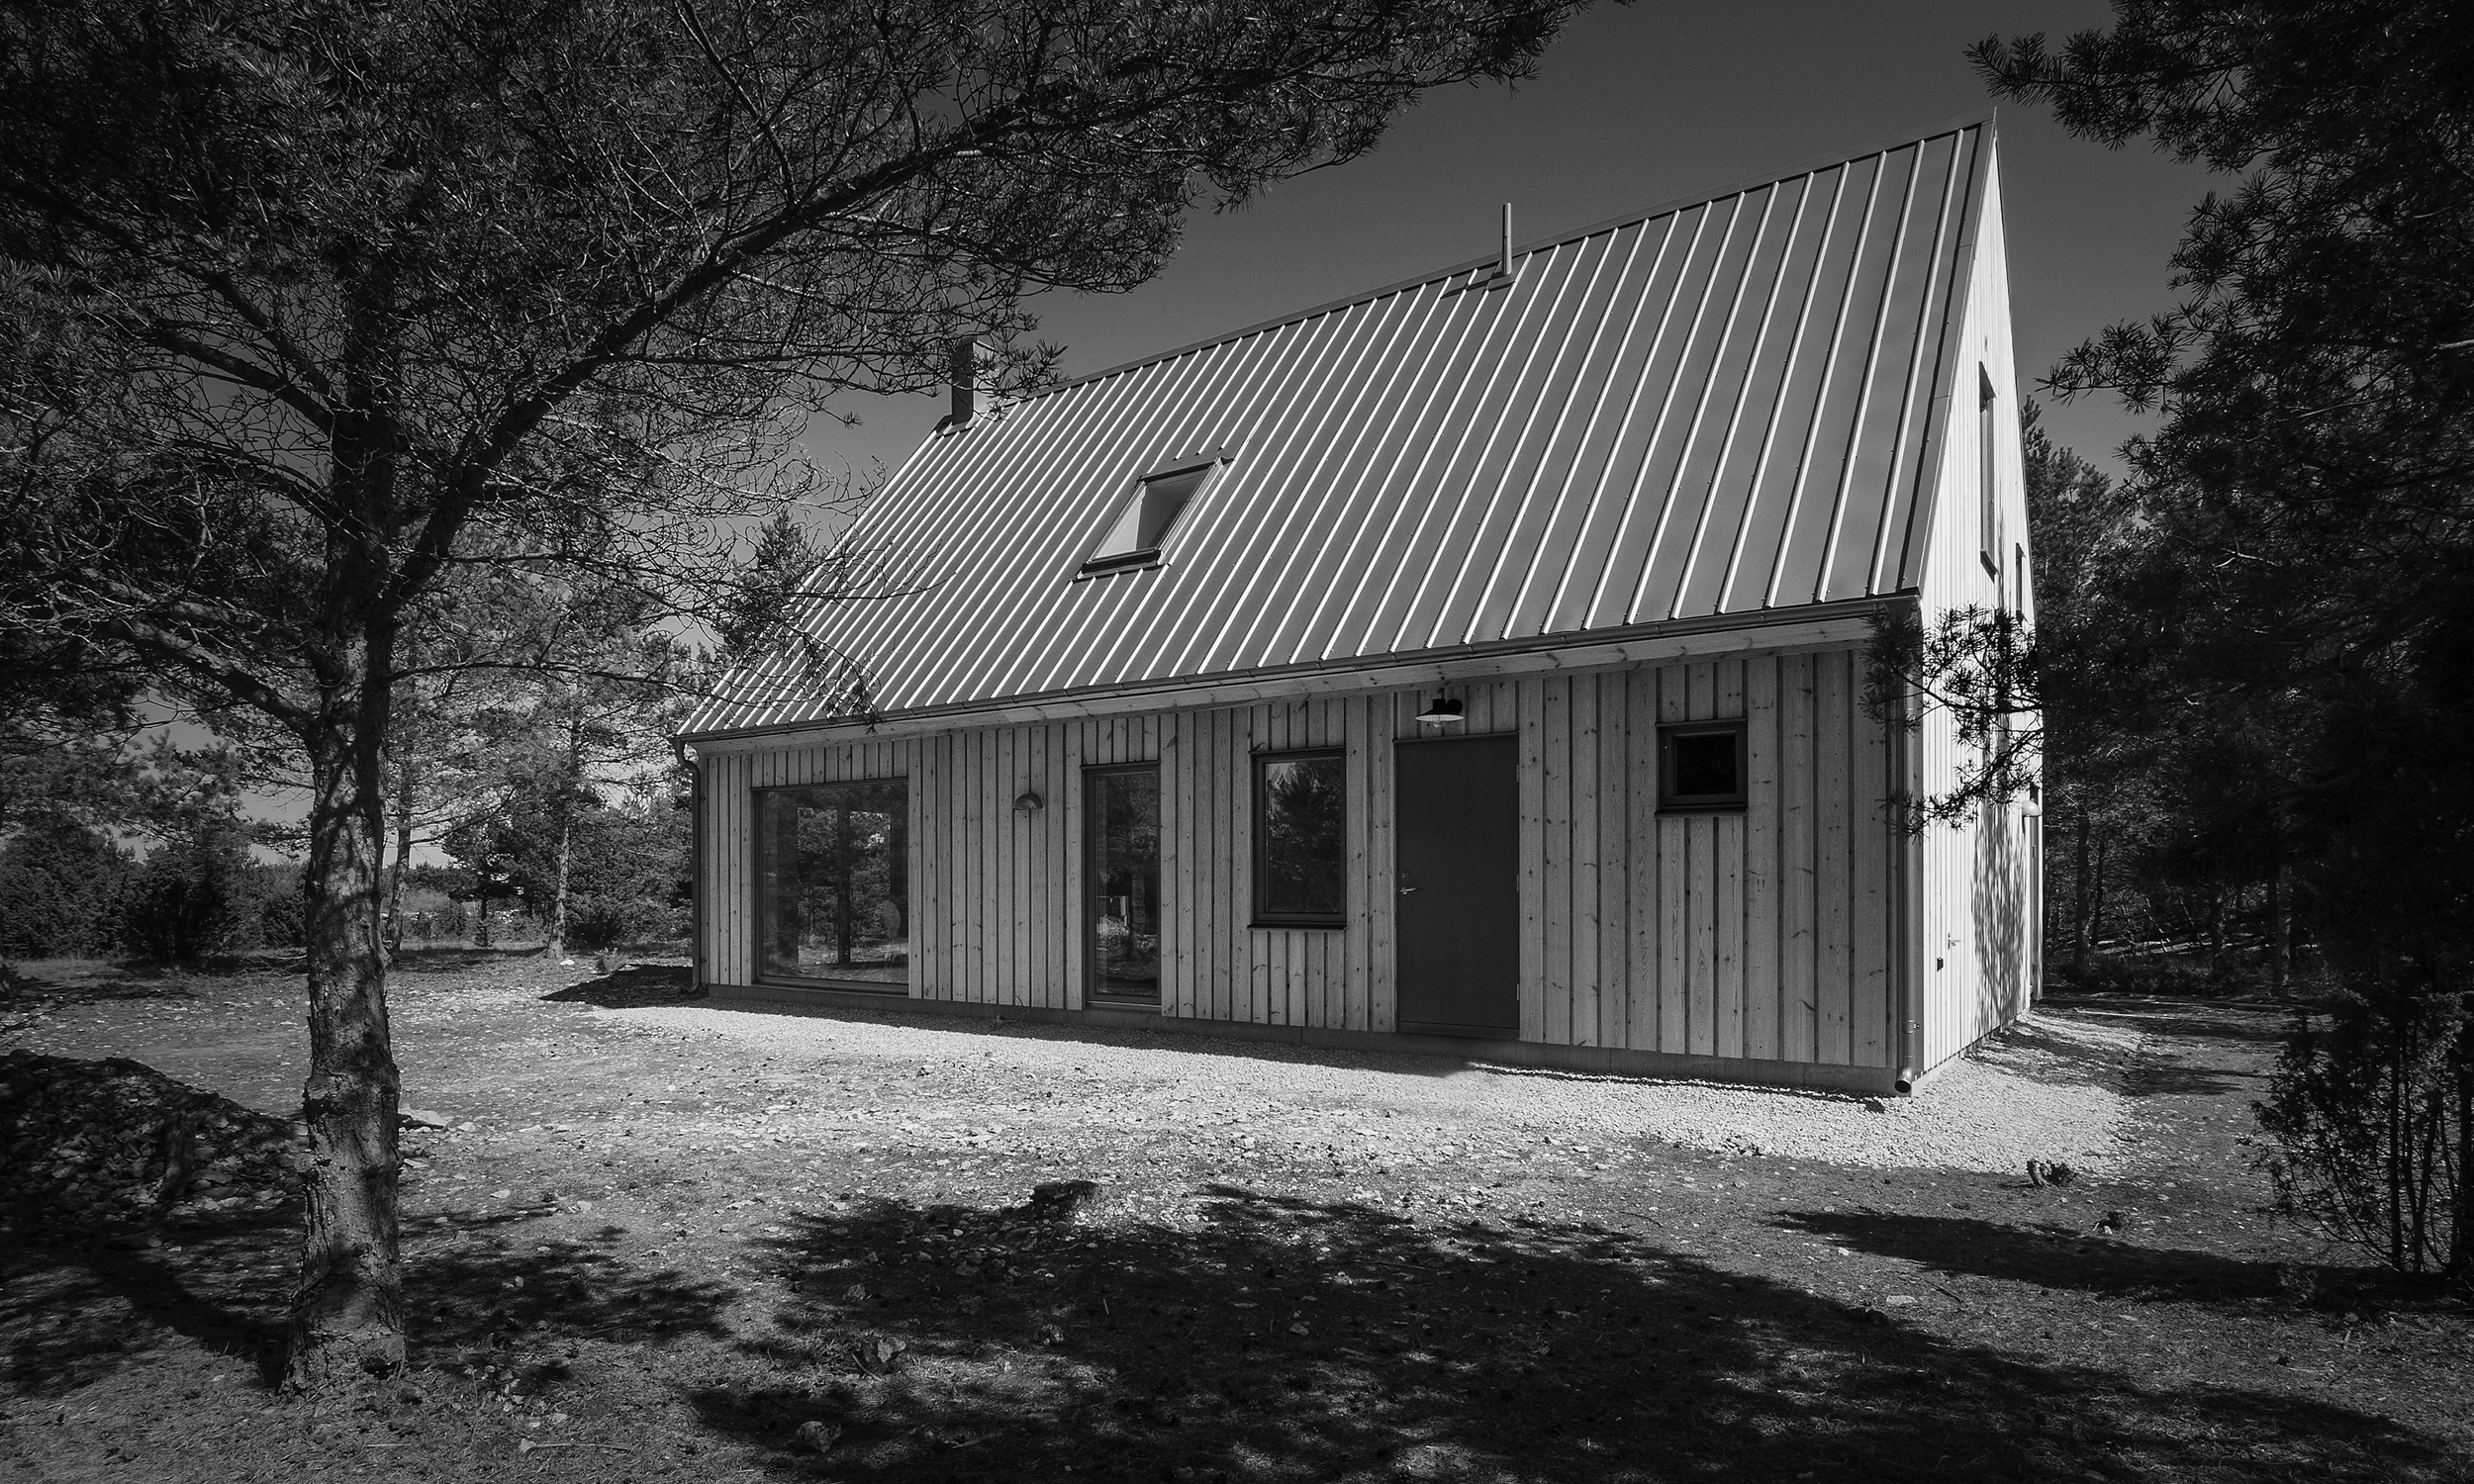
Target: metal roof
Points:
(1713, 408)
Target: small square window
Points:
(1133, 537)
(1700, 765)
(1300, 839)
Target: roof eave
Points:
(1820, 625)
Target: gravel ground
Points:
(2046, 1090)
(671, 1244)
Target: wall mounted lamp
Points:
(1441, 711)
(1028, 802)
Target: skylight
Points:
(1134, 536)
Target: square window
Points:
(1300, 839)
(833, 884)
(1133, 538)
(1700, 765)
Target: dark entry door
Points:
(1458, 824)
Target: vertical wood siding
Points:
(1977, 880)
(1766, 934)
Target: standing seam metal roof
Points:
(1715, 408)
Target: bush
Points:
(192, 897)
(282, 910)
(595, 923)
(60, 891)
(2373, 1118)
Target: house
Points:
(1474, 665)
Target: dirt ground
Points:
(667, 1242)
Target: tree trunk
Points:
(2280, 928)
(2096, 903)
(558, 893)
(2083, 899)
(569, 784)
(347, 1312)
(394, 915)
(2460, 1264)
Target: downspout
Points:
(686, 754)
(1907, 896)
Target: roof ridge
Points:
(1984, 118)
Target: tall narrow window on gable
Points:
(1989, 512)
(1134, 536)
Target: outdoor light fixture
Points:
(1028, 802)
(1443, 712)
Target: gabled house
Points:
(1472, 665)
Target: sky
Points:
(1635, 105)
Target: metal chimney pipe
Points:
(965, 382)
(1503, 267)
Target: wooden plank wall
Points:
(1765, 934)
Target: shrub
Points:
(2373, 1118)
(60, 890)
(192, 897)
(595, 923)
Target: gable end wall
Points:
(1977, 881)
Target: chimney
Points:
(1504, 269)
(965, 382)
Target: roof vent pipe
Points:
(1503, 266)
(965, 382)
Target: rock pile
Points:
(115, 1142)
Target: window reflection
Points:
(1124, 806)
(1301, 838)
(833, 869)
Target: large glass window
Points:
(1122, 809)
(833, 884)
(1300, 839)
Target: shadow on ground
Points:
(87, 981)
(2055, 1257)
(2252, 1019)
(76, 1307)
(631, 987)
(1293, 1339)
(456, 959)
(1273, 1339)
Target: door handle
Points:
(1406, 890)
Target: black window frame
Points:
(1095, 565)
(1261, 836)
(762, 916)
(1672, 802)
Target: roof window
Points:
(1134, 536)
